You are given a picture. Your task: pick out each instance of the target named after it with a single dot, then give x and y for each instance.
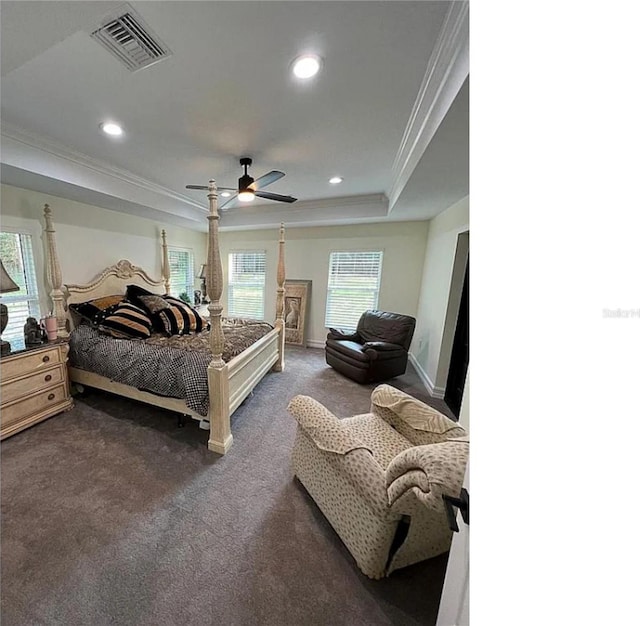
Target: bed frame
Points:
(229, 383)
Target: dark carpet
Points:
(111, 514)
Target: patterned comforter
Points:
(174, 366)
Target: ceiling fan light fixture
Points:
(306, 66)
(225, 194)
(336, 180)
(246, 196)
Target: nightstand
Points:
(34, 385)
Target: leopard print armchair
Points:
(379, 477)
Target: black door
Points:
(459, 353)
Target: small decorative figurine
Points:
(33, 334)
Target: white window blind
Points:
(246, 284)
(182, 273)
(354, 283)
(16, 252)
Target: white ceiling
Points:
(388, 112)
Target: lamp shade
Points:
(6, 282)
(203, 272)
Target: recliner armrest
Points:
(322, 426)
(336, 333)
(426, 472)
(382, 346)
(344, 451)
(371, 348)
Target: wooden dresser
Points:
(35, 386)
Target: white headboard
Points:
(112, 280)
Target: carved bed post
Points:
(220, 438)
(279, 365)
(54, 275)
(166, 270)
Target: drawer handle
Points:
(47, 378)
(46, 359)
(51, 396)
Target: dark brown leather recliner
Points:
(378, 350)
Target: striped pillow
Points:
(180, 318)
(127, 321)
(94, 311)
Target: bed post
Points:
(166, 270)
(54, 275)
(279, 365)
(220, 438)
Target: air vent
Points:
(129, 39)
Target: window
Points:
(246, 284)
(354, 283)
(182, 274)
(16, 252)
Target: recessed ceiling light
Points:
(336, 180)
(111, 128)
(225, 194)
(306, 66)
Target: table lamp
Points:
(203, 277)
(6, 285)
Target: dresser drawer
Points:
(43, 402)
(26, 385)
(26, 363)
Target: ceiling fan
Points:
(249, 188)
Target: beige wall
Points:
(307, 257)
(90, 238)
(435, 308)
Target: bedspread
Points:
(175, 366)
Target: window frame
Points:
(32, 300)
(231, 311)
(340, 324)
(188, 287)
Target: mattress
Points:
(174, 367)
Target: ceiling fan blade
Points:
(229, 203)
(206, 187)
(275, 196)
(267, 179)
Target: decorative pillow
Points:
(94, 311)
(127, 321)
(151, 303)
(134, 293)
(180, 318)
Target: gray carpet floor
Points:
(111, 514)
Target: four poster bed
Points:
(230, 374)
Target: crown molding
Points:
(447, 70)
(80, 160)
(307, 212)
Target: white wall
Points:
(90, 238)
(307, 258)
(434, 311)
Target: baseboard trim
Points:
(434, 392)
(311, 343)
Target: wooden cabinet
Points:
(35, 386)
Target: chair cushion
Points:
(349, 348)
(384, 442)
(416, 421)
(389, 327)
